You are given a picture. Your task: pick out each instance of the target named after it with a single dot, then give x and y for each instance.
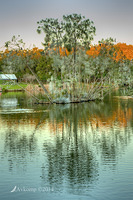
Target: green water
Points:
(80, 151)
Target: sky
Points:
(112, 18)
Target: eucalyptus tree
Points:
(72, 32)
(78, 32)
(53, 30)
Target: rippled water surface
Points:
(80, 151)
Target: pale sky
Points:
(112, 18)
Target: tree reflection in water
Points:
(71, 160)
(81, 136)
(19, 148)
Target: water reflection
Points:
(69, 143)
(72, 160)
(10, 102)
(19, 148)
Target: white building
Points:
(8, 77)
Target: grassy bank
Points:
(13, 87)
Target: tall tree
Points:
(53, 31)
(73, 31)
(78, 31)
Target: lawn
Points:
(13, 86)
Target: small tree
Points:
(17, 60)
(15, 43)
(12, 59)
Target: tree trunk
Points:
(75, 46)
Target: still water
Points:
(66, 152)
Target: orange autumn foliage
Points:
(62, 51)
(94, 51)
(127, 50)
(33, 53)
(120, 51)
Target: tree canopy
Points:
(73, 31)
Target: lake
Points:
(70, 152)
